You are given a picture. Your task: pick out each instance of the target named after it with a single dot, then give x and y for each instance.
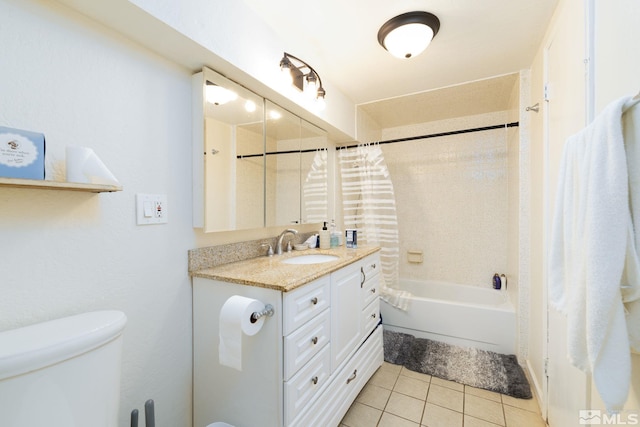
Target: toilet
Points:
(62, 373)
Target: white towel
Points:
(592, 241)
(631, 279)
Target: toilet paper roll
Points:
(235, 321)
(83, 165)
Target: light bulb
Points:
(311, 83)
(250, 106)
(218, 95)
(275, 115)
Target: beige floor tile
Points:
(390, 367)
(528, 404)
(437, 416)
(517, 417)
(484, 409)
(390, 420)
(416, 375)
(448, 384)
(412, 387)
(470, 421)
(360, 415)
(446, 397)
(405, 406)
(384, 378)
(485, 394)
(374, 395)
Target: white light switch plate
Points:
(151, 209)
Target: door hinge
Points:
(546, 367)
(546, 92)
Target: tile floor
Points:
(397, 397)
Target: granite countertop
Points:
(272, 273)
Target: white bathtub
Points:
(463, 315)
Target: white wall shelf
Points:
(57, 185)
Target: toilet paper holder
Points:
(267, 311)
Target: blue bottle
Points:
(497, 284)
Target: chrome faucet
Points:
(279, 242)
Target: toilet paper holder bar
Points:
(267, 311)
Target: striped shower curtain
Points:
(369, 206)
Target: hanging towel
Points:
(593, 251)
(631, 279)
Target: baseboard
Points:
(537, 389)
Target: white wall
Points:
(63, 253)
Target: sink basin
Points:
(310, 259)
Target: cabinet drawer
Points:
(301, 389)
(370, 290)
(345, 385)
(370, 266)
(304, 303)
(370, 317)
(305, 342)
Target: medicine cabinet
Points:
(255, 164)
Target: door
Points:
(345, 313)
(566, 386)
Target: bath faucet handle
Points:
(270, 250)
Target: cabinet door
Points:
(345, 313)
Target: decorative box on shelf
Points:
(21, 154)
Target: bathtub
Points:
(464, 315)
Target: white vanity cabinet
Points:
(307, 364)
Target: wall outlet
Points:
(151, 209)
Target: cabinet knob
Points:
(352, 377)
(373, 291)
(314, 380)
(314, 300)
(373, 316)
(314, 340)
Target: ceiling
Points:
(478, 39)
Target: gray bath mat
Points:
(470, 366)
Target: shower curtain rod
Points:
(391, 141)
(269, 153)
(435, 135)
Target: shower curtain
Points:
(369, 206)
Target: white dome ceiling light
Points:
(407, 35)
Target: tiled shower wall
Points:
(452, 196)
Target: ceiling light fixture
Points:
(407, 35)
(303, 77)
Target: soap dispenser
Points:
(325, 237)
(335, 242)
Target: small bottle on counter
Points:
(325, 237)
(335, 238)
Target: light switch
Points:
(151, 209)
(148, 209)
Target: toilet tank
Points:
(62, 373)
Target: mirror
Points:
(255, 164)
